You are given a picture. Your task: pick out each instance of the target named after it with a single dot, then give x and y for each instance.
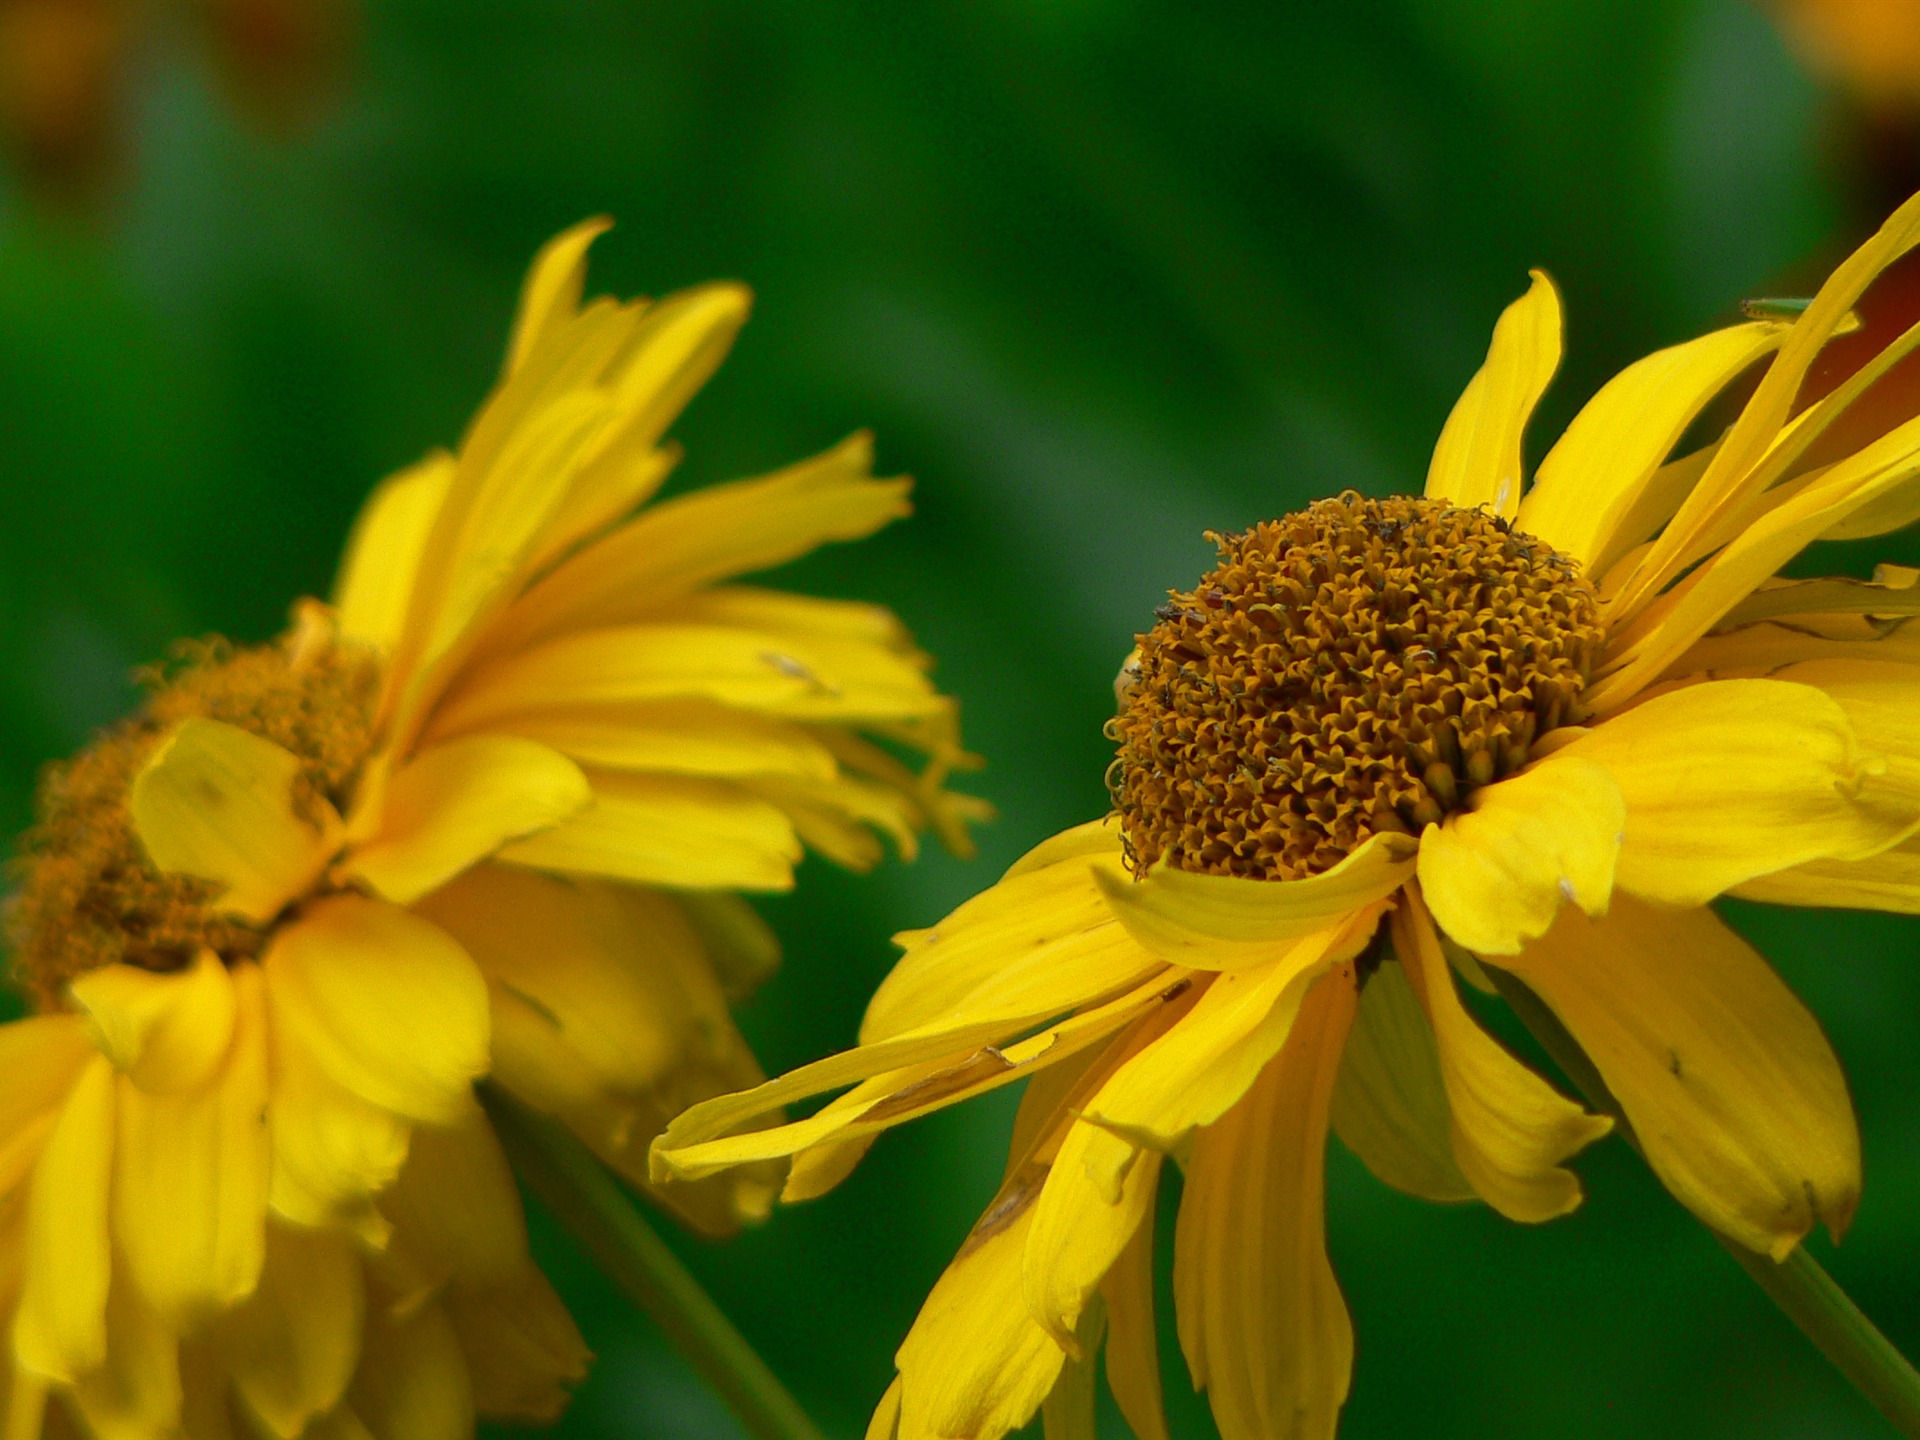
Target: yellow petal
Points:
(1887, 881)
(1201, 1067)
(1880, 700)
(1390, 1104)
(1496, 874)
(216, 802)
(1590, 480)
(1734, 1092)
(456, 804)
(190, 1178)
(1894, 590)
(765, 671)
(974, 1362)
(1040, 942)
(514, 472)
(669, 830)
(551, 294)
(1222, 922)
(388, 1005)
(1732, 779)
(332, 1150)
(1133, 1346)
(41, 1056)
(376, 578)
(924, 1071)
(1683, 614)
(522, 1348)
(412, 1383)
(455, 1209)
(1262, 1323)
(680, 737)
(1079, 1232)
(165, 1032)
(1509, 1128)
(1477, 460)
(1068, 1412)
(709, 535)
(292, 1347)
(136, 1394)
(1736, 471)
(60, 1327)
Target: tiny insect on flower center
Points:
(1359, 666)
(85, 892)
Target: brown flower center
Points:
(87, 895)
(1362, 665)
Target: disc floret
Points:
(87, 895)
(1359, 666)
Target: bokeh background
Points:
(1101, 274)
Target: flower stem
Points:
(616, 1236)
(1799, 1285)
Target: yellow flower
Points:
(484, 814)
(1384, 741)
(1872, 47)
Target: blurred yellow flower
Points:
(483, 814)
(1872, 47)
(1383, 741)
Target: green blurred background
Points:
(1102, 274)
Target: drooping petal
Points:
(1220, 922)
(1496, 874)
(1133, 1347)
(1262, 1321)
(216, 802)
(1735, 1094)
(1881, 700)
(136, 1392)
(929, 1072)
(669, 830)
(60, 1326)
(190, 1177)
(332, 1150)
(165, 1032)
(1477, 460)
(1390, 1103)
(1079, 1230)
(522, 1348)
(386, 1002)
(1731, 779)
(1201, 1067)
(1590, 480)
(377, 574)
(412, 1382)
(1043, 940)
(975, 1363)
(455, 1208)
(1510, 1129)
(455, 804)
(292, 1347)
(41, 1056)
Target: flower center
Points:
(86, 893)
(1362, 665)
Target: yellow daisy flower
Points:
(484, 814)
(1383, 741)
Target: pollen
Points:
(1359, 666)
(86, 894)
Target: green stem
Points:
(610, 1228)
(1803, 1290)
